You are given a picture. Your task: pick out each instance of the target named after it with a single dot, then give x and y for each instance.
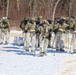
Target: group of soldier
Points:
(37, 32)
(4, 30)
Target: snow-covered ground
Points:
(15, 61)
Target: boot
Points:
(62, 50)
(6, 42)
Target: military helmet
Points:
(67, 18)
(62, 17)
(4, 17)
(45, 21)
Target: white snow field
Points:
(15, 61)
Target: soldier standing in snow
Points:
(73, 32)
(5, 30)
(38, 22)
(32, 30)
(43, 29)
(60, 26)
(50, 32)
(26, 36)
(30, 36)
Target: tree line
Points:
(49, 9)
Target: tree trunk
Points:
(18, 5)
(7, 11)
(54, 10)
(70, 9)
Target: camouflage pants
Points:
(37, 40)
(27, 40)
(33, 41)
(5, 35)
(59, 43)
(43, 44)
(73, 43)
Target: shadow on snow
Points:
(19, 51)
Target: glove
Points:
(37, 31)
(50, 30)
(25, 31)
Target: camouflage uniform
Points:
(32, 30)
(26, 37)
(50, 33)
(43, 30)
(59, 43)
(73, 32)
(30, 36)
(40, 21)
(5, 30)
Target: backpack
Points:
(5, 24)
(23, 23)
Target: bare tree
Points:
(32, 5)
(18, 5)
(55, 10)
(3, 6)
(7, 11)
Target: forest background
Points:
(16, 10)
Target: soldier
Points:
(60, 26)
(37, 34)
(30, 29)
(5, 30)
(55, 30)
(50, 33)
(73, 32)
(44, 34)
(38, 22)
(24, 25)
(26, 36)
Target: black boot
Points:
(49, 46)
(44, 53)
(62, 50)
(6, 42)
(27, 50)
(41, 54)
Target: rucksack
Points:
(23, 23)
(4, 24)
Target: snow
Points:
(15, 61)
